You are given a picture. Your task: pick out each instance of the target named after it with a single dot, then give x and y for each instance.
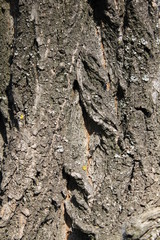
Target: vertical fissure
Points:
(14, 12)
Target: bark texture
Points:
(79, 120)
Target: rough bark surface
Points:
(79, 120)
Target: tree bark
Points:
(79, 120)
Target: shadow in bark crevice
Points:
(98, 10)
(14, 11)
(120, 93)
(79, 235)
(101, 8)
(90, 125)
(3, 131)
(1, 192)
(75, 184)
(11, 107)
(145, 111)
(76, 233)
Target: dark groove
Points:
(11, 107)
(120, 93)
(76, 86)
(73, 184)
(67, 219)
(100, 7)
(1, 192)
(3, 10)
(145, 111)
(3, 127)
(126, 15)
(10, 61)
(127, 236)
(148, 51)
(76, 203)
(14, 11)
(0, 178)
(98, 10)
(90, 125)
(77, 234)
(54, 203)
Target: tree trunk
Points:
(79, 114)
